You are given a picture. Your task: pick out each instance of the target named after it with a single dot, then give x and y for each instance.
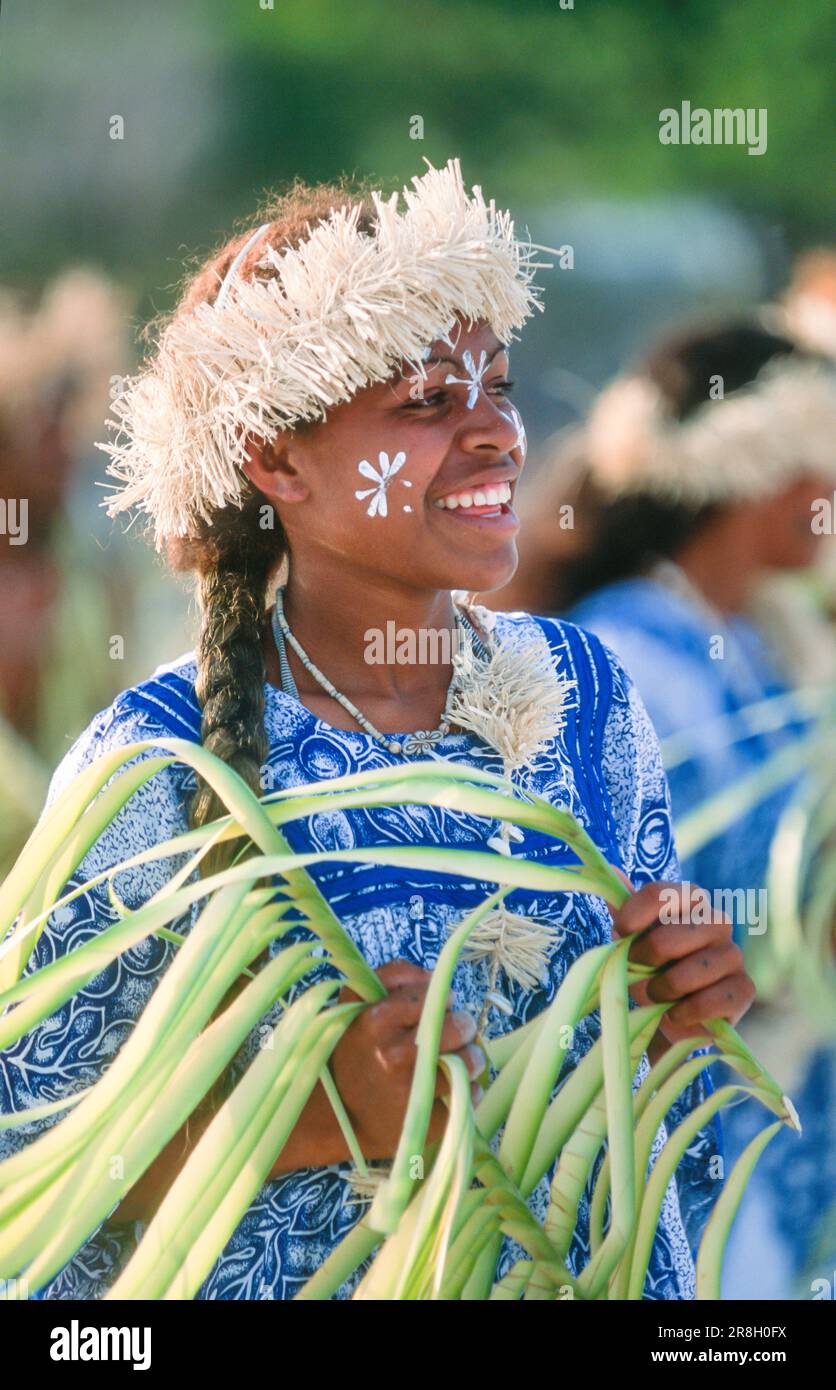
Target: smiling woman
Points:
(276, 435)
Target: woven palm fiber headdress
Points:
(339, 312)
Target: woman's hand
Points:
(374, 1061)
(702, 969)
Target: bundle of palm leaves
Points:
(434, 1228)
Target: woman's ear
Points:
(274, 469)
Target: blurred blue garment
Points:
(667, 638)
(692, 668)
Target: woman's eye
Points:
(439, 397)
(430, 398)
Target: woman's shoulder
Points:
(580, 653)
(642, 609)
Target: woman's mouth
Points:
(492, 502)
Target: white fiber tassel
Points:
(514, 699)
(519, 946)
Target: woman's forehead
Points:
(462, 337)
(458, 350)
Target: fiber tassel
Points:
(519, 945)
(515, 700)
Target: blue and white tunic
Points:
(603, 765)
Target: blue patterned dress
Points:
(603, 765)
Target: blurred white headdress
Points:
(337, 313)
(71, 343)
(749, 444)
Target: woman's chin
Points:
(485, 578)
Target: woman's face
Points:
(412, 480)
(785, 523)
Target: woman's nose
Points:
(493, 423)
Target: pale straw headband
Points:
(750, 444)
(340, 312)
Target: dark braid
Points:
(234, 553)
(234, 557)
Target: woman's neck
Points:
(722, 562)
(388, 650)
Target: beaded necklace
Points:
(419, 742)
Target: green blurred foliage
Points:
(542, 103)
(539, 100)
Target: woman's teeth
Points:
(483, 497)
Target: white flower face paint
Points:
(473, 380)
(378, 505)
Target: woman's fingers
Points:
(398, 974)
(400, 1012)
(404, 982)
(666, 942)
(728, 999)
(700, 969)
(400, 1058)
(639, 911)
(690, 974)
(459, 1029)
(674, 906)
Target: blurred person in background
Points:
(63, 598)
(695, 477)
(796, 609)
(694, 482)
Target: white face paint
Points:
(473, 380)
(381, 477)
(521, 441)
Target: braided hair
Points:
(241, 546)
